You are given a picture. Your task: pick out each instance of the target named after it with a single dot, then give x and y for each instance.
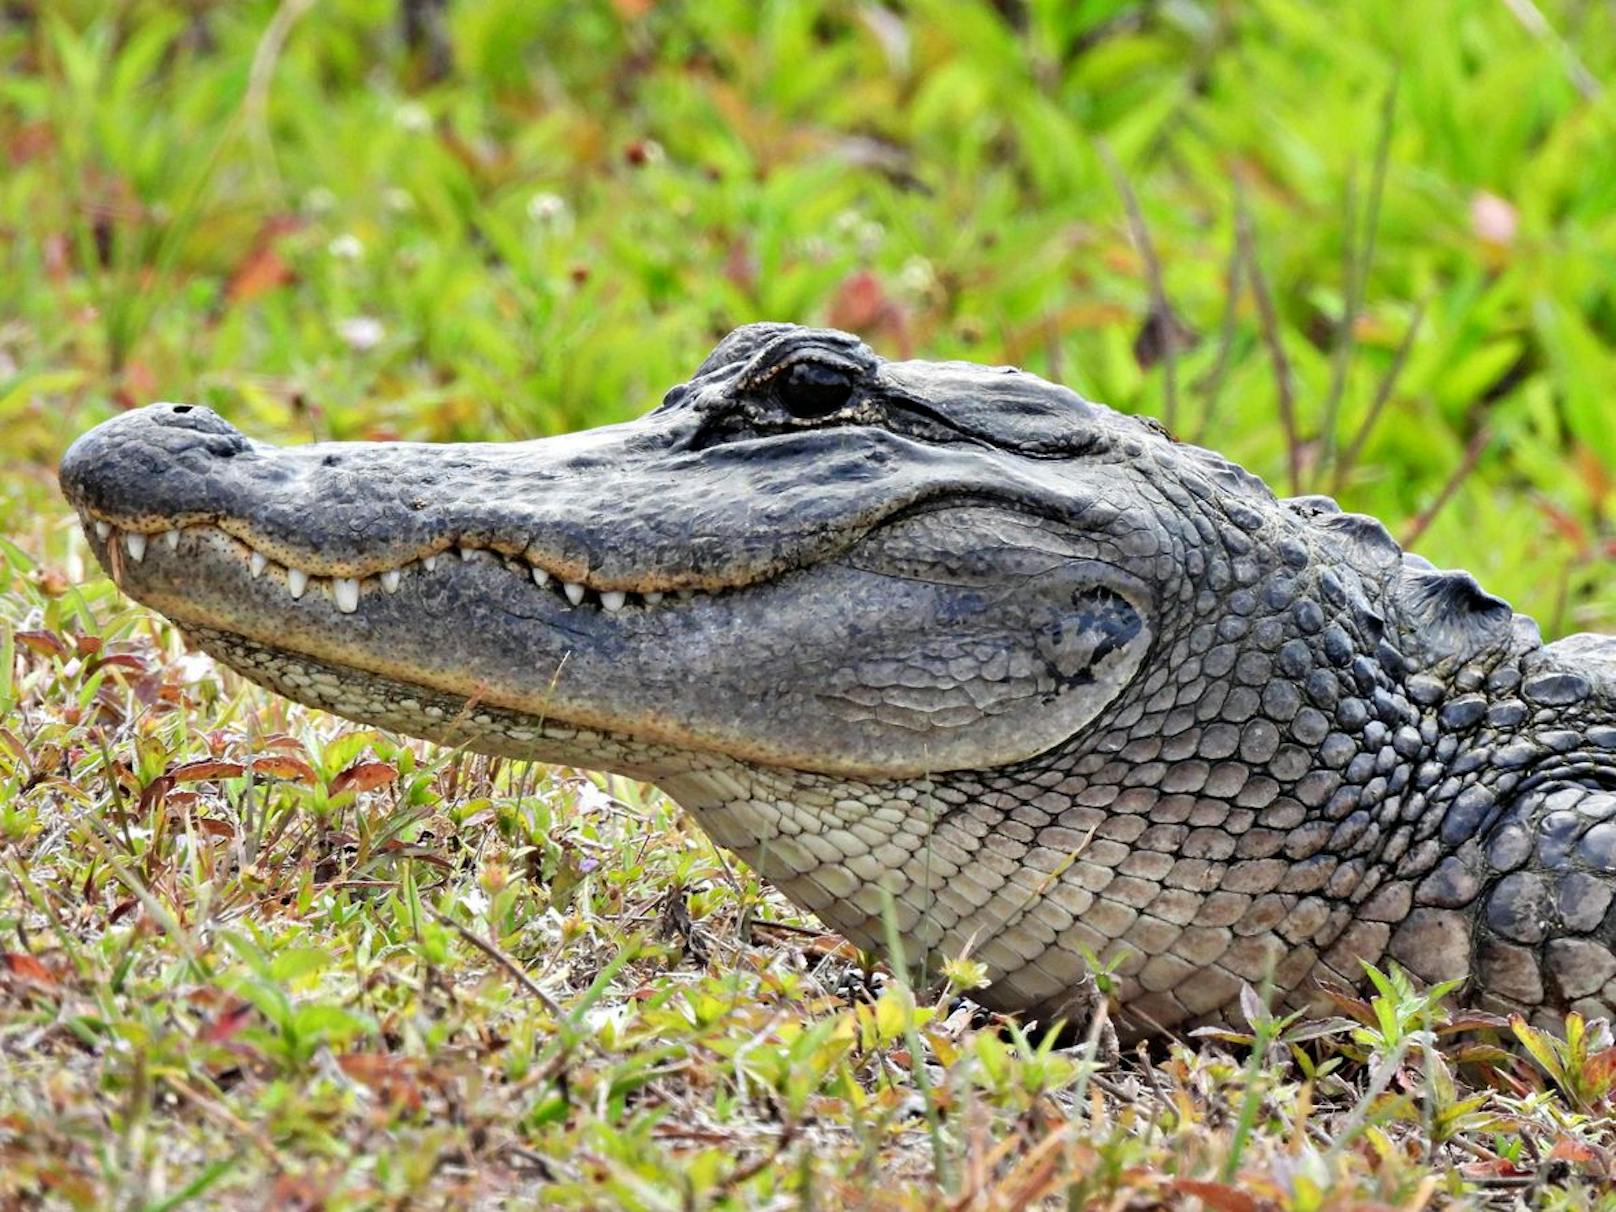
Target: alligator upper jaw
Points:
(620, 510)
(121, 551)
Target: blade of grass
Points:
(1379, 1078)
(260, 79)
(1264, 1027)
(1283, 384)
(1161, 311)
(1356, 260)
(193, 1189)
(1472, 455)
(1341, 354)
(1383, 394)
(1212, 384)
(1535, 23)
(917, 1063)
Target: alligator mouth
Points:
(408, 646)
(346, 592)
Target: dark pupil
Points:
(809, 389)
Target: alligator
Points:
(941, 648)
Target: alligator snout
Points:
(153, 463)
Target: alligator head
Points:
(806, 558)
(936, 641)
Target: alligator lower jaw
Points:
(445, 718)
(229, 595)
(333, 643)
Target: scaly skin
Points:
(1055, 683)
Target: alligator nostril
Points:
(183, 407)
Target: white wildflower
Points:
(319, 200)
(549, 210)
(361, 332)
(413, 117)
(869, 235)
(917, 277)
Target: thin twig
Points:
(1377, 180)
(791, 928)
(1161, 311)
(1474, 1150)
(1535, 23)
(1212, 385)
(507, 963)
(757, 1165)
(1383, 394)
(1114, 1088)
(217, 1111)
(1271, 337)
(1163, 1102)
(1341, 355)
(1472, 455)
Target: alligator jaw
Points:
(313, 638)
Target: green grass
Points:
(330, 967)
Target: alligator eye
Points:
(810, 390)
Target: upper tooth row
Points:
(135, 543)
(345, 590)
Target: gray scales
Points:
(947, 637)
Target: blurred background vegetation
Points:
(352, 218)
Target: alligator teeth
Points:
(346, 591)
